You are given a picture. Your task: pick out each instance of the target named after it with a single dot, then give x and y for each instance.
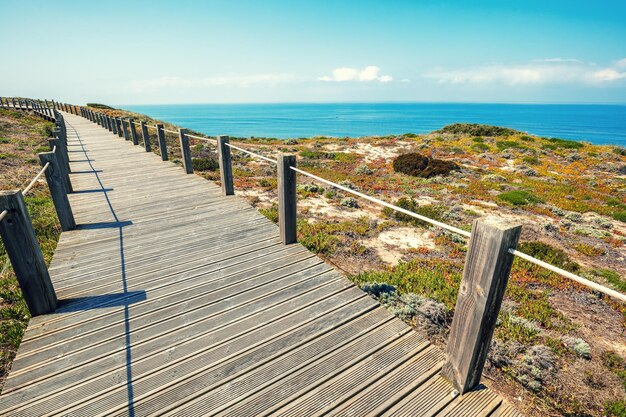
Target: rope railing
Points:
(34, 181)
(202, 138)
(464, 233)
(252, 153)
(583, 281)
(3, 214)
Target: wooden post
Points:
(146, 137)
(114, 125)
(287, 214)
(63, 160)
(226, 165)
(185, 151)
(25, 254)
(118, 123)
(58, 192)
(125, 129)
(485, 275)
(162, 143)
(133, 131)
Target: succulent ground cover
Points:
(559, 349)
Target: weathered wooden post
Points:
(162, 143)
(226, 165)
(185, 151)
(125, 128)
(63, 162)
(133, 131)
(58, 192)
(485, 275)
(287, 214)
(118, 123)
(110, 124)
(114, 125)
(145, 136)
(25, 254)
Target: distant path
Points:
(178, 300)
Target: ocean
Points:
(599, 124)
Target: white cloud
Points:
(370, 73)
(241, 81)
(545, 71)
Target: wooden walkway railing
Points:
(487, 267)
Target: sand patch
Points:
(321, 207)
(391, 244)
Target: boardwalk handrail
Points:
(583, 281)
(491, 248)
(16, 226)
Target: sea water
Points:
(599, 124)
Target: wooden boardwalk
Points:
(176, 300)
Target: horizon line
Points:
(375, 102)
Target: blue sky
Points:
(141, 52)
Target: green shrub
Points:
(531, 160)
(612, 277)
(549, 254)
(204, 164)
(506, 144)
(527, 138)
(418, 165)
(271, 213)
(268, 182)
(317, 154)
(476, 129)
(480, 147)
(620, 215)
(620, 151)
(616, 408)
(431, 211)
(100, 106)
(556, 143)
(518, 198)
(345, 157)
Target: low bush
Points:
(620, 215)
(431, 211)
(100, 106)
(556, 143)
(518, 198)
(417, 165)
(204, 164)
(531, 160)
(317, 154)
(476, 129)
(549, 254)
(271, 213)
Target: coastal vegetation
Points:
(22, 137)
(550, 349)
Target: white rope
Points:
(3, 214)
(152, 127)
(170, 131)
(569, 275)
(32, 183)
(384, 203)
(202, 138)
(252, 153)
